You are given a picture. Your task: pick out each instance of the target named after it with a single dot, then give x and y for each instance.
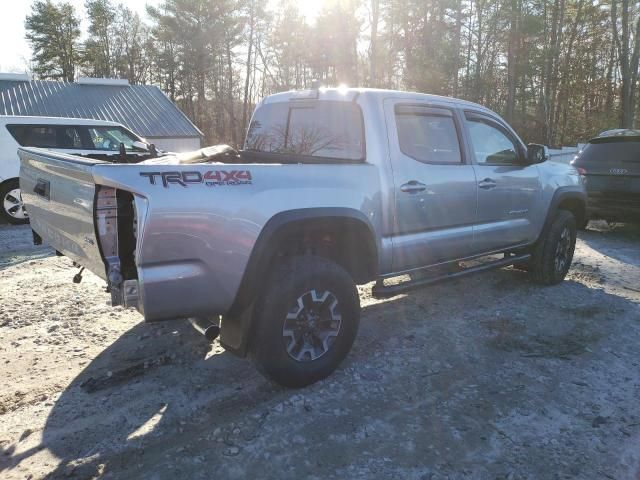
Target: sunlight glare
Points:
(149, 425)
(309, 9)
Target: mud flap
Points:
(235, 332)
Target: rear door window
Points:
(428, 134)
(47, 136)
(322, 129)
(34, 135)
(68, 137)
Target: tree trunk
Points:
(232, 116)
(628, 60)
(245, 102)
(478, 90)
(512, 59)
(457, 43)
(373, 45)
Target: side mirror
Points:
(537, 153)
(141, 145)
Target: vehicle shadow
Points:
(157, 375)
(149, 367)
(14, 258)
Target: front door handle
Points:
(487, 184)
(413, 187)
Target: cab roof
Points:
(352, 94)
(16, 119)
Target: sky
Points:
(15, 51)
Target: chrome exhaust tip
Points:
(206, 327)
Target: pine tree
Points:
(98, 49)
(53, 31)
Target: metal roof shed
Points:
(144, 109)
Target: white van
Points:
(88, 138)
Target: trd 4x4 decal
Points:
(211, 178)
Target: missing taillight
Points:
(115, 218)
(107, 221)
(127, 232)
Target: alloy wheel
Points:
(12, 204)
(311, 326)
(563, 250)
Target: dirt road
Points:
(488, 377)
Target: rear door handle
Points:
(413, 187)
(487, 184)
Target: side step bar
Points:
(380, 290)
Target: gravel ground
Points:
(490, 376)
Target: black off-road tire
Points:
(278, 310)
(5, 188)
(553, 254)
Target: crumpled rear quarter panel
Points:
(196, 237)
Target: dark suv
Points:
(610, 163)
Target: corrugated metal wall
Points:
(145, 109)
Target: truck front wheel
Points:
(305, 321)
(553, 254)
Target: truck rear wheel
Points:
(305, 321)
(553, 254)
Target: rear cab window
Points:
(311, 131)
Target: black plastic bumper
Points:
(614, 207)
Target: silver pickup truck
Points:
(333, 188)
